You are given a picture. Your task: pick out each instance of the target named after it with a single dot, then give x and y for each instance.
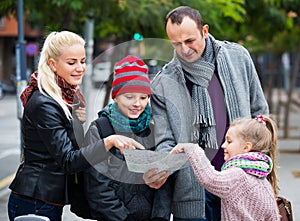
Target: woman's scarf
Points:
(70, 94)
(254, 163)
(123, 124)
(200, 73)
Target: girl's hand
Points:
(182, 147)
(179, 148)
(121, 142)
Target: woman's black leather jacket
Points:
(51, 151)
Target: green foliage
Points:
(120, 19)
(273, 26)
(142, 16)
(261, 25)
(54, 15)
(7, 7)
(222, 16)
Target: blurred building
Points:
(8, 41)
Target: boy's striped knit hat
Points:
(130, 75)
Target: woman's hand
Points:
(155, 179)
(121, 142)
(80, 112)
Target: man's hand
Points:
(155, 179)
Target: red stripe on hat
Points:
(130, 59)
(130, 69)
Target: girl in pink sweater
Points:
(247, 182)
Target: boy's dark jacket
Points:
(114, 193)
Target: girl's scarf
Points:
(123, 124)
(200, 73)
(254, 163)
(70, 94)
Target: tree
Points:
(7, 7)
(272, 26)
(119, 19)
(148, 19)
(291, 36)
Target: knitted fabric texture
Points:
(243, 196)
(121, 123)
(200, 74)
(243, 98)
(130, 75)
(254, 163)
(71, 94)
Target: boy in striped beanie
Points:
(130, 75)
(127, 117)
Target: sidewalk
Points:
(289, 173)
(289, 159)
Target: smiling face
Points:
(71, 64)
(187, 39)
(233, 144)
(132, 104)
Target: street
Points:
(9, 148)
(289, 159)
(10, 143)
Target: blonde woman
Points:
(51, 150)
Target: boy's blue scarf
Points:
(123, 124)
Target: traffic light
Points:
(138, 36)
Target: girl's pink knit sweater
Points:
(244, 197)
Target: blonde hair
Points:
(263, 136)
(53, 47)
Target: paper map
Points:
(140, 161)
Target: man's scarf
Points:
(200, 73)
